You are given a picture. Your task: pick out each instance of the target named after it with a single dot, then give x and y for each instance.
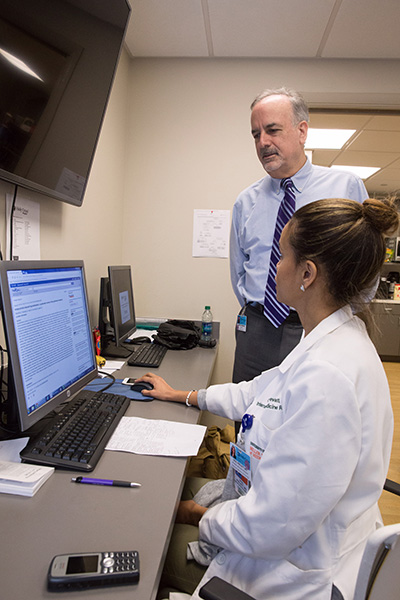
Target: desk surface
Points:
(63, 517)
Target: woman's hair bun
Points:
(381, 214)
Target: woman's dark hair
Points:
(347, 239)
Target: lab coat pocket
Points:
(260, 433)
(259, 437)
(292, 573)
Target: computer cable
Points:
(3, 383)
(3, 399)
(109, 384)
(14, 200)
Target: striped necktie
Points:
(275, 311)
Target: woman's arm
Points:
(189, 512)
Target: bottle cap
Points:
(207, 307)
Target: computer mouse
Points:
(142, 385)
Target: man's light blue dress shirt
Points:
(254, 215)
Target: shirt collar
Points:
(299, 179)
(323, 328)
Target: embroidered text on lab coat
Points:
(273, 403)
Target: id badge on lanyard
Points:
(240, 461)
(241, 322)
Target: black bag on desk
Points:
(178, 335)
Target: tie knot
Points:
(287, 183)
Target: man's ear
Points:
(303, 130)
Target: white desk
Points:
(64, 517)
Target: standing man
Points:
(266, 330)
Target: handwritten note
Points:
(156, 437)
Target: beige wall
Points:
(175, 138)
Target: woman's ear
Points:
(310, 273)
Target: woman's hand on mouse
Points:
(162, 391)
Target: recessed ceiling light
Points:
(363, 172)
(327, 139)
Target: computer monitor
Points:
(117, 319)
(48, 335)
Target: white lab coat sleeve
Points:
(230, 400)
(305, 469)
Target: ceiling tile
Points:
(384, 123)
(366, 159)
(384, 182)
(168, 28)
(338, 120)
(271, 29)
(381, 141)
(365, 29)
(324, 158)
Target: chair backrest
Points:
(379, 573)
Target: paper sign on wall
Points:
(26, 229)
(211, 233)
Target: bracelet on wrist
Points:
(187, 398)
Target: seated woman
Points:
(316, 433)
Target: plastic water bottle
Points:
(206, 324)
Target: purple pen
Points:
(111, 482)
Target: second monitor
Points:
(117, 319)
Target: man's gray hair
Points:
(299, 106)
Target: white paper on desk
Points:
(22, 473)
(156, 437)
(143, 333)
(112, 365)
(10, 449)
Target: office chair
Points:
(392, 486)
(379, 573)
(378, 576)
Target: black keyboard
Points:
(75, 438)
(147, 355)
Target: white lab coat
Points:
(323, 427)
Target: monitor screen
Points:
(117, 319)
(122, 308)
(48, 335)
(57, 63)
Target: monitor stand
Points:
(111, 350)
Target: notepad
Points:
(156, 437)
(22, 479)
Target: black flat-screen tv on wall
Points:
(57, 64)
